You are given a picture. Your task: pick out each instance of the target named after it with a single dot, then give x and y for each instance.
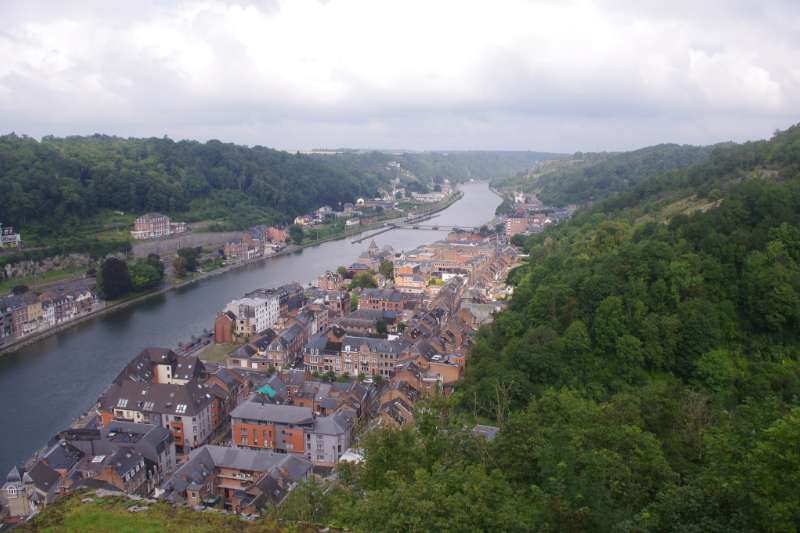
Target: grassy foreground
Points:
(112, 514)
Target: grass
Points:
(41, 279)
(214, 353)
(102, 515)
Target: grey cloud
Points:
(506, 96)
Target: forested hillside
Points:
(62, 179)
(456, 166)
(646, 377)
(588, 177)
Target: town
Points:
(285, 388)
(32, 311)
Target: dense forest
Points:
(646, 376)
(457, 166)
(58, 180)
(587, 177)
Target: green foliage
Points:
(190, 256)
(363, 280)
(144, 276)
(296, 233)
(432, 167)
(386, 269)
(113, 279)
(64, 179)
(584, 178)
(645, 377)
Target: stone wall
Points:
(59, 262)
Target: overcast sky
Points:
(429, 74)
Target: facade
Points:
(162, 388)
(257, 424)
(31, 312)
(236, 480)
(334, 351)
(515, 226)
(156, 225)
(253, 315)
(224, 326)
(9, 238)
(381, 300)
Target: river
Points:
(44, 386)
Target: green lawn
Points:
(104, 515)
(214, 353)
(40, 279)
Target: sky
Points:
(549, 75)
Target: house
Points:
(368, 322)
(357, 268)
(253, 355)
(330, 438)
(330, 281)
(254, 314)
(134, 458)
(381, 300)
(235, 479)
(9, 238)
(352, 222)
(25, 492)
(333, 351)
(155, 225)
(257, 424)
(276, 234)
(162, 388)
(515, 226)
(286, 347)
(224, 327)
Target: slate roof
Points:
(43, 476)
(266, 412)
(63, 456)
(162, 398)
(487, 432)
(335, 424)
(202, 462)
(373, 344)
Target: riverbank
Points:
(52, 381)
(111, 307)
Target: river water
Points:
(47, 384)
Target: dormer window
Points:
(12, 491)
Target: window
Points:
(12, 492)
(148, 406)
(122, 402)
(180, 408)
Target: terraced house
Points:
(162, 388)
(235, 479)
(258, 424)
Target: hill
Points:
(645, 377)
(588, 177)
(456, 166)
(59, 181)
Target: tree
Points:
(190, 256)
(518, 240)
(179, 266)
(364, 280)
(19, 289)
(386, 268)
(114, 280)
(342, 271)
(296, 233)
(353, 301)
(381, 327)
(145, 276)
